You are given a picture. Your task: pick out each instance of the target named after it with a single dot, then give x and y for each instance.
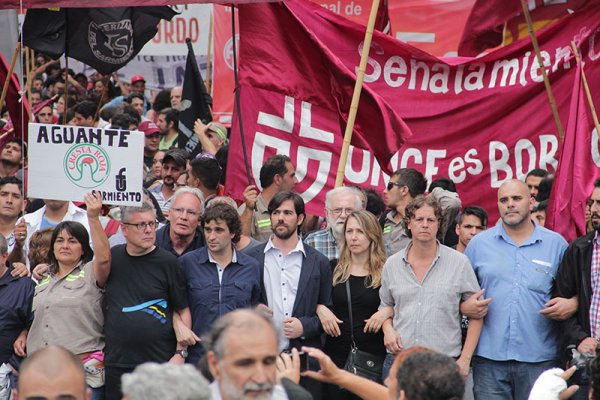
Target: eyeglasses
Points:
(180, 211)
(339, 211)
(143, 225)
(391, 185)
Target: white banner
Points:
(66, 162)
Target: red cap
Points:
(149, 128)
(137, 78)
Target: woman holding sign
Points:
(67, 306)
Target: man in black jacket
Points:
(579, 275)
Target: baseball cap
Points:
(137, 78)
(178, 156)
(149, 128)
(219, 129)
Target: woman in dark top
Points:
(362, 255)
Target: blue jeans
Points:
(496, 380)
(97, 393)
(387, 365)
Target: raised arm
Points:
(100, 245)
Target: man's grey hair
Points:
(343, 190)
(193, 191)
(3, 245)
(246, 319)
(127, 211)
(152, 381)
(222, 199)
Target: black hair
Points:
(80, 234)
(162, 100)
(375, 203)
(21, 143)
(122, 121)
(444, 183)
(221, 157)
(227, 214)
(207, 170)
(541, 206)
(86, 108)
(545, 188)
(280, 197)
(430, 376)
(132, 96)
(171, 115)
(412, 179)
(274, 165)
(12, 180)
(108, 112)
(131, 111)
(475, 211)
(541, 173)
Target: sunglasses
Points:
(391, 185)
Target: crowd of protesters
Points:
(99, 292)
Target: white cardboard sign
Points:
(66, 162)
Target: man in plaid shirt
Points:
(579, 275)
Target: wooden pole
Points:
(9, 74)
(588, 93)
(208, 56)
(339, 179)
(536, 48)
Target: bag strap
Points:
(350, 312)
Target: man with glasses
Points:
(339, 203)
(144, 290)
(405, 184)
(182, 233)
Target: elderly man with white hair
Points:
(339, 203)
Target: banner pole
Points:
(339, 179)
(588, 92)
(9, 74)
(536, 48)
(208, 55)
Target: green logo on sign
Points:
(87, 165)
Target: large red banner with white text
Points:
(478, 121)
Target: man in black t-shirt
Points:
(145, 288)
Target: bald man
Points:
(516, 263)
(52, 373)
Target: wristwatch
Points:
(183, 353)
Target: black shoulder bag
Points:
(360, 362)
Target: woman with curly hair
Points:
(362, 255)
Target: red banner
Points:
(223, 82)
(19, 113)
(478, 121)
(578, 168)
(24, 4)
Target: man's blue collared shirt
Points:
(209, 299)
(519, 279)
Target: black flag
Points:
(195, 104)
(103, 38)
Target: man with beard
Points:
(579, 275)
(516, 263)
(276, 175)
(242, 358)
(13, 153)
(173, 165)
(182, 234)
(295, 279)
(339, 203)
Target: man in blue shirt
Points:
(219, 279)
(516, 263)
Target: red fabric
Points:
(485, 25)
(578, 167)
(6, 4)
(471, 120)
(19, 114)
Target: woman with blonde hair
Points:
(356, 276)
